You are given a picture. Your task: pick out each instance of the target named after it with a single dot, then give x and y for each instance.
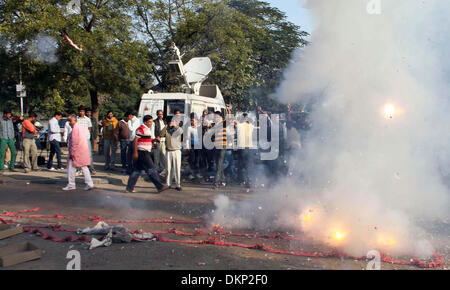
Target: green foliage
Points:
(113, 66)
(249, 42)
(125, 50)
(272, 48)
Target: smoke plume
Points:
(44, 49)
(373, 171)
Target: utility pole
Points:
(20, 88)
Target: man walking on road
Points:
(78, 155)
(85, 122)
(142, 148)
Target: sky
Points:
(295, 12)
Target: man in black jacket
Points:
(159, 153)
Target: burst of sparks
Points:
(386, 241)
(339, 235)
(389, 111)
(307, 217)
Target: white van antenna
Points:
(194, 73)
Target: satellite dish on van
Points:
(198, 69)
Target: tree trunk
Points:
(95, 113)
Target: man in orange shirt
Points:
(29, 133)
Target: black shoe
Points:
(164, 188)
(179, 189)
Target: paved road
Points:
(19, 191)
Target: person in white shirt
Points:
(67, 130)
(54, 138)
(85, 122)
(245, 130)
(133, 124)
(193, 146)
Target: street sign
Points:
(20, 88)
(21, 91)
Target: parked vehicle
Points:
(194, 97)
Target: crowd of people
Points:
(156, 148)
(163, 148)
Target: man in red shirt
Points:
(142, 148)
(29, 133)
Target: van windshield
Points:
(174, 105)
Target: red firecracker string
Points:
(434, 262)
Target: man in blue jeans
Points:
(54, 138)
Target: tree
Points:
(249, 42)
(111, 51)
(98, 56)
(272, 49)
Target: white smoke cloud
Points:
(44, 49)
(370, 177)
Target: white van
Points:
(194, 96)
(210, 98)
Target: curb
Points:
(45, 181)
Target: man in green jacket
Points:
(7, 140)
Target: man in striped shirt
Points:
(219, 132)
(142, 148)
